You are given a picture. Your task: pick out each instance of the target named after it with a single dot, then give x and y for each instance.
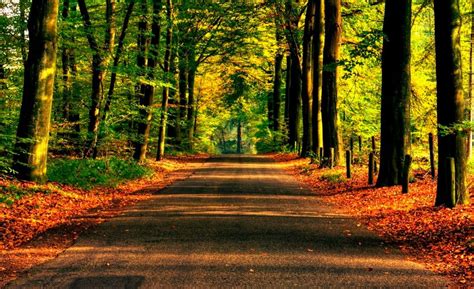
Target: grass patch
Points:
(334, 178)
(86, 174)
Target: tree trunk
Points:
(471, 85)
(99, 60)
(318, 47)
(173, 102)
(307, 78)
(396, 90)
(118, 54)
(166, 71)
(333, 29)
(31, 150)
(287, 93)
(277, 92)
(183, 102)
(146, 100)
(450, 100)
(191, 102)
(294, 106)
(239, 137)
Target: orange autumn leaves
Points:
(440, 237)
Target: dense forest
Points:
(146, 79)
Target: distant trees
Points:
(285, 53)
(40, 68)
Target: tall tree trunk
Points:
(287, 93)
(31, 149)
(318, 47)
(69, 73)
(146, 100)
(118, 54)
(166, 71)
(450, 101)
(294, 106)
(396, 90)
(183, 101)
(99, 61)
(276, 126)
(192, 66)
(333, 29)
(471, 85)
(307, 78)
(173, 101)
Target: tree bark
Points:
(99, 60)
(450, 100)
(118, 54)
(31, 149)
(146, 100)
(294, 98)
(318, 47)
(396, 91)
(183, 101)
(333, 29)
(471, 85)
(166, 71)
(276, 126)
(307, 78)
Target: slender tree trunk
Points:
(183, 102)
(173, 101)
(287, 93)
(191, 100)
(450, 101)
(166, 71)
(396, 90)
(23, 38)
(277, 92)
(99, 61)
(239, 137)
(31, 150)
(270, 115)
(333, 29)
(118, 54)
(146, 101)
(318, 47)
(307, 78)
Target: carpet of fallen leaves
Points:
(441, 238)
(48, 218)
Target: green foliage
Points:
(87, 174)
(334, 178)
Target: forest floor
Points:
(441, 238)
(44, 220)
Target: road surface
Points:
(239, 221)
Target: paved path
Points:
(239, 221)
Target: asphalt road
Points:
(238, 222)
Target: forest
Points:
(384, 85)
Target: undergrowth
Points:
(86, 174)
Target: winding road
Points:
(237, 222)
